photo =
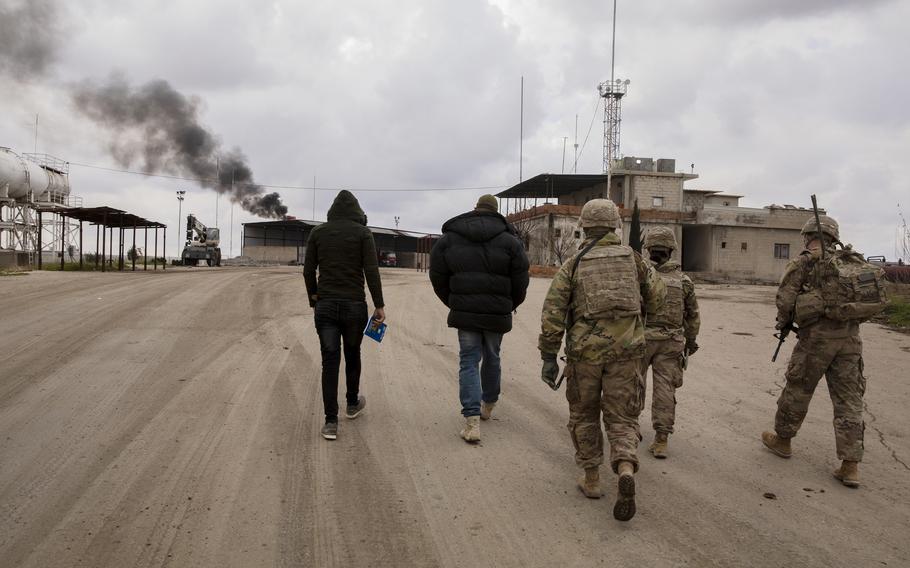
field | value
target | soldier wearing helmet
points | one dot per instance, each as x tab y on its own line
670	335
812	296
598	300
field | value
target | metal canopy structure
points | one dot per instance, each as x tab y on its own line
553	185
106	219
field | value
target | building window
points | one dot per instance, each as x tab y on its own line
557	233
577	234
781	250
744	247
657	201
723	244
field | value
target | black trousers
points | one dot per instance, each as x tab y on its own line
340	322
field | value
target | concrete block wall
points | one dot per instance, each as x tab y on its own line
757	261
279	254
644	188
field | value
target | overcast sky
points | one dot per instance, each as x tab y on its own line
772	99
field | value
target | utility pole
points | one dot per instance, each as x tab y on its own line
314	198
217	187
564	139
232	213
575	167
180	194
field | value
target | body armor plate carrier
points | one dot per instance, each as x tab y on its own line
607	284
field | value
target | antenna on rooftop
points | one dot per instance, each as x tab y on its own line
612	92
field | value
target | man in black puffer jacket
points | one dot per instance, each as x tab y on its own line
344	253
479	270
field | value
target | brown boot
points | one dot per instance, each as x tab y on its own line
624	508
471	430
778	446
848	473
658	448
486	410
589	483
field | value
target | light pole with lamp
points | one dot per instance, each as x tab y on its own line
180	194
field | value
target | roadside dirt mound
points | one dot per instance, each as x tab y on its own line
538	271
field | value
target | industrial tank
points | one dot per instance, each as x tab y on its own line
46	178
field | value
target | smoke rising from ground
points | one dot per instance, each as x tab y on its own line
28	37
159	126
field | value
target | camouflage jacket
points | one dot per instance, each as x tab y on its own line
685	307
602	340
798	279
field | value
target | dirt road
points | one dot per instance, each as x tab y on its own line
173	420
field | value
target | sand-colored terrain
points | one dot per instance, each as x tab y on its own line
172	419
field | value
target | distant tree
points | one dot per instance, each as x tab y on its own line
523	226
563	245
71	251
635	238
134	253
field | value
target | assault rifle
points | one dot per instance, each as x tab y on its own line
818	227
781	337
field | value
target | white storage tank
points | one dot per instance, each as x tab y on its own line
19	175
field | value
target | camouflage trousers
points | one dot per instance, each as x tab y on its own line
840	360
664	356
616	390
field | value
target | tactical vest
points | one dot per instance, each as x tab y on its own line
672	313
843	287
606	284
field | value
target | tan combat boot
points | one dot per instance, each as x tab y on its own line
589	483
778	446
624	508
658	447
471	430
848	473
486	410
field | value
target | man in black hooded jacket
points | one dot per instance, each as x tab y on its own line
344	252
479	269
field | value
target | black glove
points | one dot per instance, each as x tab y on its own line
550	371
691	347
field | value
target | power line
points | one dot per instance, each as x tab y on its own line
590	126
270	186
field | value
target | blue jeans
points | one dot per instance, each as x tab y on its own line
478	348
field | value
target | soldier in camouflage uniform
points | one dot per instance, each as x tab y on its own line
828	347
670	335
597	300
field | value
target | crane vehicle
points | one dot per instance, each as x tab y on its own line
201	243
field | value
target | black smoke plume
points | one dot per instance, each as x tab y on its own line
160	126
29	37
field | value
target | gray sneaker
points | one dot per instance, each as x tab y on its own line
355	410
330	430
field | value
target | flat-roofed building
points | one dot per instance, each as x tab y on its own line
716	235
284	242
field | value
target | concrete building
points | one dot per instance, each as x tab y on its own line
284	242
717	237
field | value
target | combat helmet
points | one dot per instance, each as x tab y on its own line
829	227
660	237
600	213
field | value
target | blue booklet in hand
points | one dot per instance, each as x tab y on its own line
375	330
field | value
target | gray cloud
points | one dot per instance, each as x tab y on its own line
29	37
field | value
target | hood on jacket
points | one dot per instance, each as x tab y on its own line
346	207
478	226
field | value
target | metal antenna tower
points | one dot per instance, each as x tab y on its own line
612	93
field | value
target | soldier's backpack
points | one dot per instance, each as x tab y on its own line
672	313
847	288
607	283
